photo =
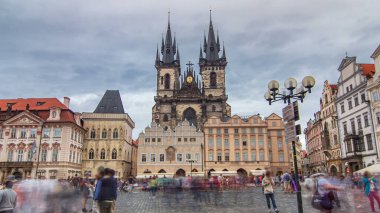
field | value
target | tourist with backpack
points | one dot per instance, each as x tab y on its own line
287	178
371	190
268	187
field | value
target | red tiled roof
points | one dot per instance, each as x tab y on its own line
135	142
34	104
41	106
367	69
333	86
66	116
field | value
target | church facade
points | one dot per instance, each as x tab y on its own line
187	95
174	142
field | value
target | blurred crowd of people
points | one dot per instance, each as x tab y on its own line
99	194
60	196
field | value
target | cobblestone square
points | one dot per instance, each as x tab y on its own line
249	200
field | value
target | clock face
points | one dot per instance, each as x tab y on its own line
189	79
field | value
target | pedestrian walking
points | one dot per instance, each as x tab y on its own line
287	178
106	192
268	185
8	198
153	186
371	190
85	191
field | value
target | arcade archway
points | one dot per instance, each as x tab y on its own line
180	172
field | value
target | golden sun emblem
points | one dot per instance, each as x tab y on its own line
189	79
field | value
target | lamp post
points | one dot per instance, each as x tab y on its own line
191	166
273	95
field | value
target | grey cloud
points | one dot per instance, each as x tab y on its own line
80	49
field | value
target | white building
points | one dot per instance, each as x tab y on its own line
39	138
373	90
357	140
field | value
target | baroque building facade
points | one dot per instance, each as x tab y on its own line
40	138
189	96
246	145
108	142
330	134
169	151
313	135
356	132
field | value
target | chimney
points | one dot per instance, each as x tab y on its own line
9	107
66	101
27	107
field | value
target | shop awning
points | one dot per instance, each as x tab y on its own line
223	173
374	169
257	172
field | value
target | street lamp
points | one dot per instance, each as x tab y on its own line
191	166
273	95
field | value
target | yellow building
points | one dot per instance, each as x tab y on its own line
246	144
108	142
135	146
167	152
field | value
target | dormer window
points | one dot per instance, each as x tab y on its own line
54	114
40	103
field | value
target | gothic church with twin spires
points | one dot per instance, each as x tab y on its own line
188	95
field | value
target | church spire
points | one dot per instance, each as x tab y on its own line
177	55
212	50
168	51
174	46
157	56
162	45
224	52
217	42
200	52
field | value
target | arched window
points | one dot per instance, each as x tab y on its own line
166	118
103	154
115	134
213	108
91	154
167	81
92	135
190	115
114	154
213	79
104	134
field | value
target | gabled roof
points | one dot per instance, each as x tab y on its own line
34	104
39	107
30	118
368	70
273	116
110	103
376	52
345	62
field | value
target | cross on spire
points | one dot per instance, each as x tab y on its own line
189	64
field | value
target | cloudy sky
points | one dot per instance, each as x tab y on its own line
81	48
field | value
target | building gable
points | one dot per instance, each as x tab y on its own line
24	118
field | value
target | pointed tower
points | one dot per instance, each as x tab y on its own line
212	69
168	65
168	75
